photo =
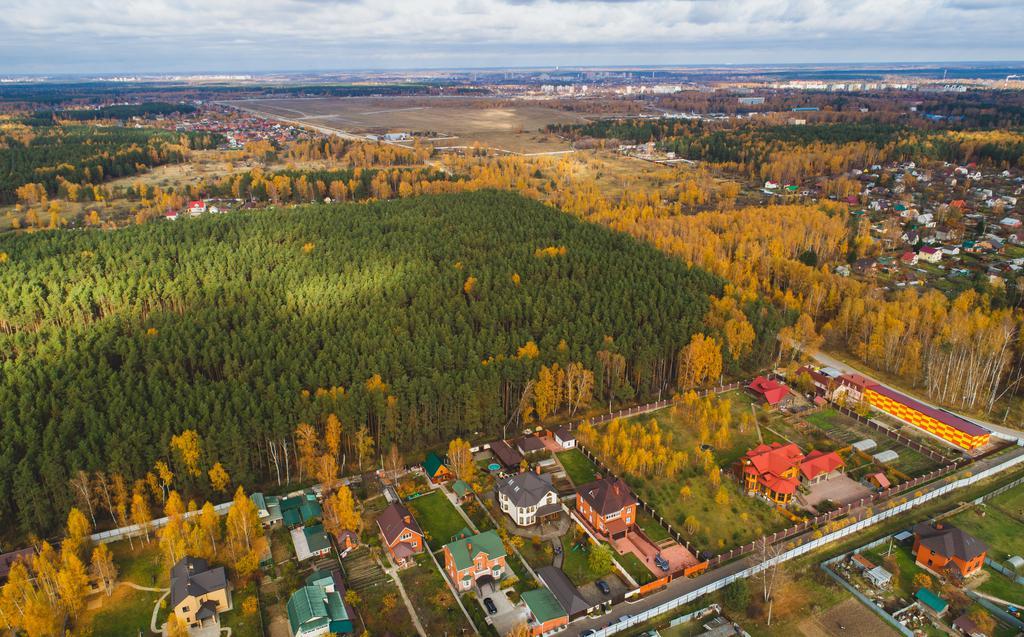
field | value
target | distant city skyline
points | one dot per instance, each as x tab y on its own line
168	36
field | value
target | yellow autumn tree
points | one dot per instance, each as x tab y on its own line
188	448
219	478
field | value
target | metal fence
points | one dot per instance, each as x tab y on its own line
802	548
134	530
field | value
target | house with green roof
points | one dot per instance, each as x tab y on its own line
435	468
931	602
462	490
268	508
546	614
300	509
310	542
316	609
477	560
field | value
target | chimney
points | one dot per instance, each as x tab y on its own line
408	519
615	487
938	526
469	548
537	469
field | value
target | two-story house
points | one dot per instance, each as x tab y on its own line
402	535
947	550
475	560
607	505
527	497
199	592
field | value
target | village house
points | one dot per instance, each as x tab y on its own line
402	535
527	497
775	471
435	468
310	542
199	593
946	550
770	392
608	506
475	560
929	254
319	607
564	437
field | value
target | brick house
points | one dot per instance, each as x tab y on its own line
608	506
945	549
475	560
402	535
775	471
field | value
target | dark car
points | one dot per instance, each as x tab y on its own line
661	562
489	605
603	587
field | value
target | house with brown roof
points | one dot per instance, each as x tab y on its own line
608	506
402	534
947	550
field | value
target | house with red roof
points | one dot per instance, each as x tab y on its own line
929	254
197	207
775	471
771	392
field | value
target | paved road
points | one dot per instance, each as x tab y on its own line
830	361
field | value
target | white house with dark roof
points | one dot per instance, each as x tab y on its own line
527	497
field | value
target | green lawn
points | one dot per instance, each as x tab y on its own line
124	613
635	568
243	625
575	563
826	419
1003	534
1002	587
577	466
438	518
655	531
140	565
434	603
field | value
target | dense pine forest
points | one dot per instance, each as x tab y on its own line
56	160
419	319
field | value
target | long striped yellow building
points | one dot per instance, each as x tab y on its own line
949	427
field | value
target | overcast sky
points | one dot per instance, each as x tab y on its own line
93	36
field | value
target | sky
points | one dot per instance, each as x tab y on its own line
172	36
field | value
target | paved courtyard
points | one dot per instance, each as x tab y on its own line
841	490
508	616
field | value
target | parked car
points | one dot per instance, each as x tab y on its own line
661	562
489	605
603	587
590	632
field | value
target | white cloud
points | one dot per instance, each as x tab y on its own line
139	35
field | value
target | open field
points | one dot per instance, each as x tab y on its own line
997	523
462	120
